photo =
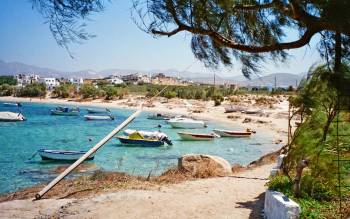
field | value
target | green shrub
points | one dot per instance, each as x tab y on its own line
65	90
170	94
89	91
10	80
7	90
32	90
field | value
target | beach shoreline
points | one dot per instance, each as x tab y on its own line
273	121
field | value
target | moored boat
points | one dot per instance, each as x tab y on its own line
159	116
62	155
144	138
196	137
10	104
228	133
186	123
11	117
126	140
98	110
65	111
99	117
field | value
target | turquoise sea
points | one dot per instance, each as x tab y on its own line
19	141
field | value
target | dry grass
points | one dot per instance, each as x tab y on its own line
102	182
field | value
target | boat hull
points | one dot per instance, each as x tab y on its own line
60	113
195	137
140	142
98	110
62	155
87	117
11	117
235	134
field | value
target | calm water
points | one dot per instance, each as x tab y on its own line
19	141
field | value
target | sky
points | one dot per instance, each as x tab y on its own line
26	38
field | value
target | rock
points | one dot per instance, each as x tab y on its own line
236	168
279	206
247	120
202	165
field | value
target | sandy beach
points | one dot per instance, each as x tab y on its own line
237	196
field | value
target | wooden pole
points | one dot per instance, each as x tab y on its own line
87	154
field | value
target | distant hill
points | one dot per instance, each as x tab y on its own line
283	79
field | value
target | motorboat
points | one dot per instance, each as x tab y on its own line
144	138
186	123
159	116
187	136
65	111
99	117
98	110
252	111
11	117
229	133
62	155
11	104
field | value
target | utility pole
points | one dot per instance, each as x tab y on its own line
214	79
275	83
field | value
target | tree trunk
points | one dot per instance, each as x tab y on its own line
299	172
337	58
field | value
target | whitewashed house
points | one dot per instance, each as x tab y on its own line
50	83
23	79
78	82
115	80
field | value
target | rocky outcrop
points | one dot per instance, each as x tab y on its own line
202	165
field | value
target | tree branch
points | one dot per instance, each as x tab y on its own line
254	7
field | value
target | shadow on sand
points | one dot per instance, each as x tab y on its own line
256	206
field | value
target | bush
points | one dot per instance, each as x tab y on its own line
89	91
10	80
32	90
218	99
65	90
170	94
7	90
112	92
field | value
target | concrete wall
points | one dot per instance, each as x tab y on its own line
278	206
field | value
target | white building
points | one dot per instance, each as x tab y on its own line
115	80
23	79
77	81
50	83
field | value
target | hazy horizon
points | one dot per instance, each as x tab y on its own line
28	40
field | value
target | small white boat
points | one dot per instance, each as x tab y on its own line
98	110
186	123
65	111
62	155
228	133
11	117
12	104
159	116
196	137
252	111
99	117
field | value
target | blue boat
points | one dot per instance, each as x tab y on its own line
62	155
126	140
65	111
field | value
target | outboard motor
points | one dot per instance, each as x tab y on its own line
166	140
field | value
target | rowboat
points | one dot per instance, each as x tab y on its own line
11	117
65	111
159	116
62	155
98	110
196	137
12	104
186	123
144	138
252	111
232	109
126	140
228	133
100	117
